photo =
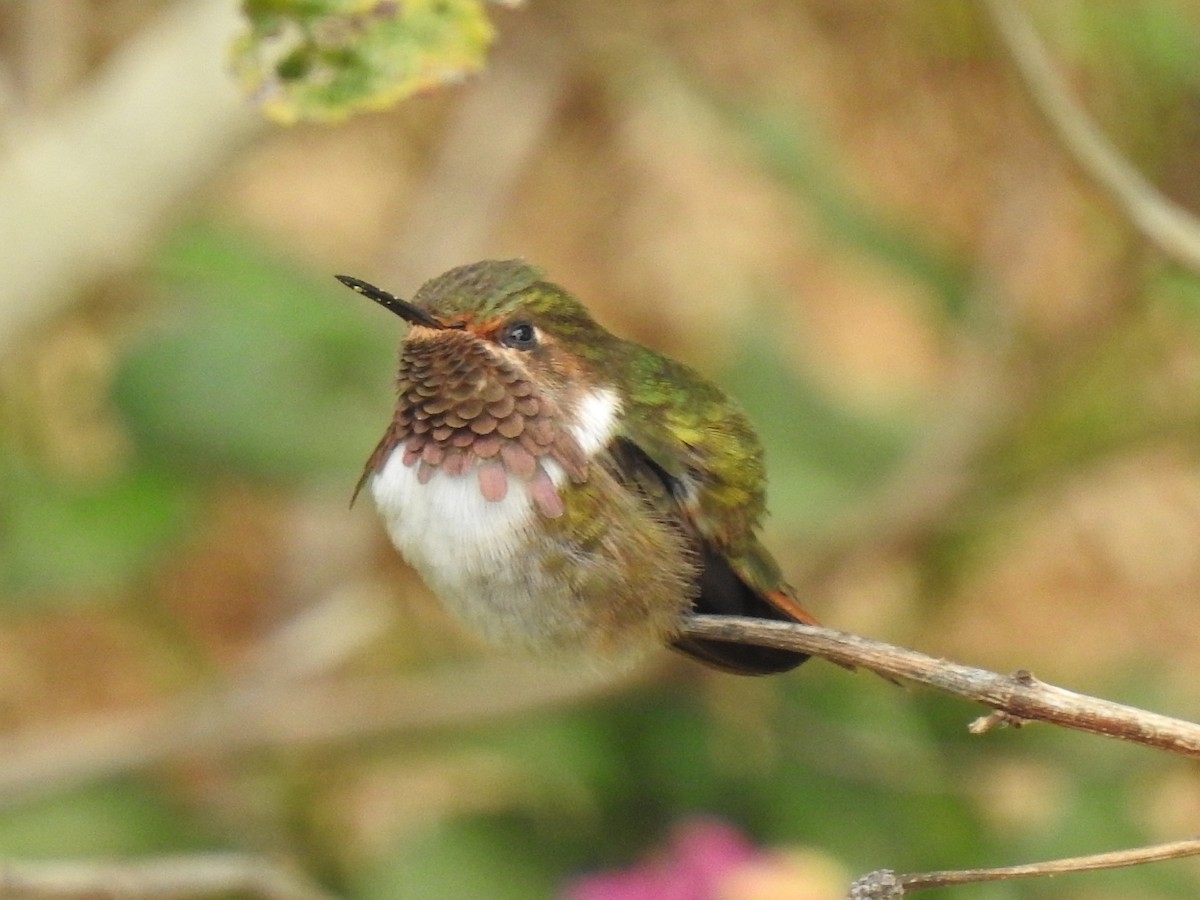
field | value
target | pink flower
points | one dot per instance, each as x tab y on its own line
699	855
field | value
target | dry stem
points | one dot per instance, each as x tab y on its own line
886	885
1019	697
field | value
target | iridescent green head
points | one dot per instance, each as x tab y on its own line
484	290
504	303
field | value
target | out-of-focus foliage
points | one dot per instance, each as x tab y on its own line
120	817
59	538
324	60
252	368
822	457
791	153
249	371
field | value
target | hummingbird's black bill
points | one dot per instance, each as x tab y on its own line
391	302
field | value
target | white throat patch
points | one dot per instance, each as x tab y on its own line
596	419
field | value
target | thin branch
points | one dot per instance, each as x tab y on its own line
1019	697
168	878
1174	230
887	885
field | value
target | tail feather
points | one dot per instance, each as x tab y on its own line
788	605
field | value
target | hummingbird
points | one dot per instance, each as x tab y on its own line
564	490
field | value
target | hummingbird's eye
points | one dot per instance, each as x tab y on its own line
519	336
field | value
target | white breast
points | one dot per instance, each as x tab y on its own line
446	525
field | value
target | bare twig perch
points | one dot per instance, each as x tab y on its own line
1171	228
1017	698
887	885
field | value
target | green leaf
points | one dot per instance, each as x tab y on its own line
325	60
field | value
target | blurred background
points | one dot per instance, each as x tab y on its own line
977	385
